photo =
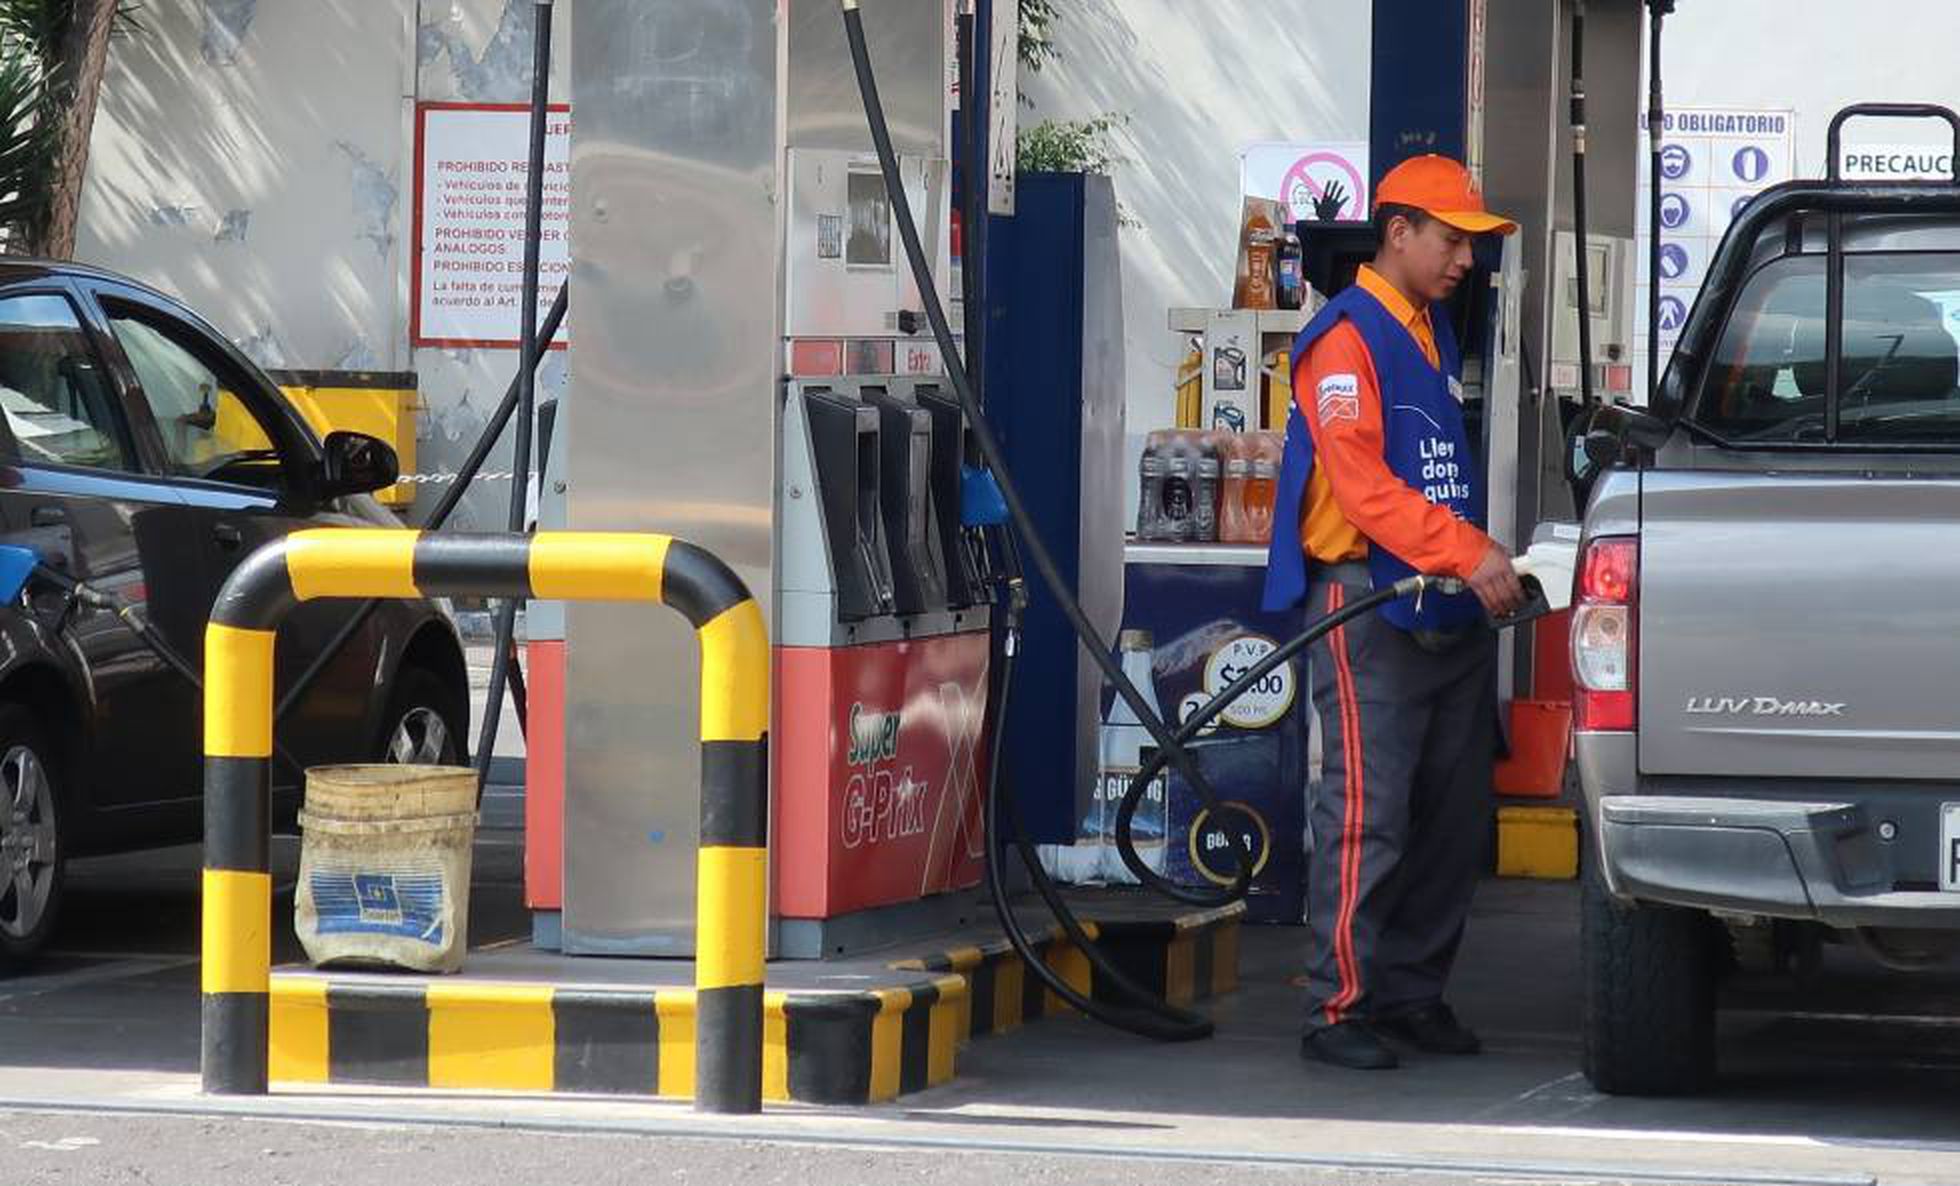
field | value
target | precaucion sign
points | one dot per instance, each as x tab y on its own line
471	162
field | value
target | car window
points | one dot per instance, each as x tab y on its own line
1900	381
57	406
208	429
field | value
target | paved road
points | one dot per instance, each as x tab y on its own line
1860	1086
162	1151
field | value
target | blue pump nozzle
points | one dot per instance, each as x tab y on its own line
16	565
981	502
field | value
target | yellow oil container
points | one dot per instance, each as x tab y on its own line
1279	389
1191	387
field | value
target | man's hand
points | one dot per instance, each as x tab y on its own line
1496	583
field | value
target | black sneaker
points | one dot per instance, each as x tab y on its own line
1350	1044
1432	1029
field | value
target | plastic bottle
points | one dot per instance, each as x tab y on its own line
1235	454
1262	485
1204	494
1261	255
1150	489
1180	489
1291	270
1122	742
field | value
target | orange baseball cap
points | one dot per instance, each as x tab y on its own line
1441	188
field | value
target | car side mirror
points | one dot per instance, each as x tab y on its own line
356	463
1600	439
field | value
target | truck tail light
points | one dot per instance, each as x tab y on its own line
1605	630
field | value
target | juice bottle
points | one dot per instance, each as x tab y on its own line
1235	452
1262	260
1262	484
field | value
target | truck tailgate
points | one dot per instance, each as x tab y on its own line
1799	625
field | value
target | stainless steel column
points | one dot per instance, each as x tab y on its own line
676	250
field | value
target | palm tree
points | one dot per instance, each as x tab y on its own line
52	57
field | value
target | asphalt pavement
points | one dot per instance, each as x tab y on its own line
1852	1077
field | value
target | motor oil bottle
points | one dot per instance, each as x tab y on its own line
1123	742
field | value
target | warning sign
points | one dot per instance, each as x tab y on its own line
1896	162
1317	182
1714	161
471	166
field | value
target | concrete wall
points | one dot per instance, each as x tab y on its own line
254	157
1199	82
1826	56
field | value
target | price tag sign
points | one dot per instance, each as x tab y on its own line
1267	701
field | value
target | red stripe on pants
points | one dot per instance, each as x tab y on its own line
1351	821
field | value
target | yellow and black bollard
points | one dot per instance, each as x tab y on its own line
732	894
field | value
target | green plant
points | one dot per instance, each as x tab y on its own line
52	56
1036	48
1071	145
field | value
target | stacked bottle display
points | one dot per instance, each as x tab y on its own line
1208	487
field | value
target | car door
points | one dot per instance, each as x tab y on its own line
245	463
78	490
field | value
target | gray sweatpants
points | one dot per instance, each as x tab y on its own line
1402	813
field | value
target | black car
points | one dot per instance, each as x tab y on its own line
143	455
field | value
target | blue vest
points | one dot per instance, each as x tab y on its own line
1426	446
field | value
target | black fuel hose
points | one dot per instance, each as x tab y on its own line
1150	1016
1195	724
1167	1022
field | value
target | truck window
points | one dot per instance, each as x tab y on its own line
1900	383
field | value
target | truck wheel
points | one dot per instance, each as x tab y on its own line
1649	977
32	865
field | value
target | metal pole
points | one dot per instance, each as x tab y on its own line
1583	268
527	380
1658	10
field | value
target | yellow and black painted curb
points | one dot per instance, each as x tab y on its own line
818	1047
732	879
1184	959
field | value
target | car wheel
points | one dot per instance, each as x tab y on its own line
1649	975
425	722
32	864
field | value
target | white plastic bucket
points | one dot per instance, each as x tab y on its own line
384	866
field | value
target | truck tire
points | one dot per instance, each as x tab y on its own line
1648	975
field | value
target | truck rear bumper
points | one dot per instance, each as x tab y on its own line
1805	860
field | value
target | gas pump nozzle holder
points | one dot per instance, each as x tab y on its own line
847	454
906	498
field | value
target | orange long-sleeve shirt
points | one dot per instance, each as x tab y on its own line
1353	497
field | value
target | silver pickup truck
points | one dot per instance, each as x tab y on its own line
1766	624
